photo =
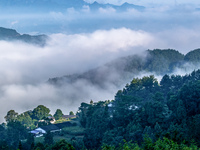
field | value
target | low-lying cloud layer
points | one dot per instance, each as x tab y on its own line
25	68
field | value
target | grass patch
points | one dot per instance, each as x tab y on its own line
61	120
64	120
75	130
57	138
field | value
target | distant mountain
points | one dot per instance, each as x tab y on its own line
12	35
62	5
123	7
121	70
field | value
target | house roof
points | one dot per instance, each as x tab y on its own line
38	130
52	127
34	131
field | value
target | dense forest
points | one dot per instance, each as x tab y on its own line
146	108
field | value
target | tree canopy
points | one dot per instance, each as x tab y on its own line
11	116
41	112
58	114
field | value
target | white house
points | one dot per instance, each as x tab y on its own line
38	132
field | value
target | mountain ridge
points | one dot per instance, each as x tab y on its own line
62	5
157	61
7	34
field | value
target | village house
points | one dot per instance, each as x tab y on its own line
53	128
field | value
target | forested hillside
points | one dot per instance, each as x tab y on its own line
124	69
146	109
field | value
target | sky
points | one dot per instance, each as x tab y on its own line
81	40
158	15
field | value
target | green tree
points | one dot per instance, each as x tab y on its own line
2	132
20	145
148	82
29	142
91	102
62	145
15	131
157	130
11	116
58	114
25	119
71	113
166	83
4	145
82	114
41	112
48	138
39	146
